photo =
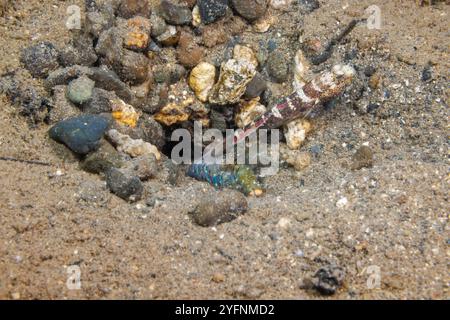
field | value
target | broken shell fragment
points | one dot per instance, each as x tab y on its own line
196	17
124	113
248	112
295	133
264	23
301	71
245	53
202	80
170	37
234	77
132	147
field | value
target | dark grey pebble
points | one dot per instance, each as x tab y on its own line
278	66
256	87
250	9
369	71
129	188
100	102
79	52
427	73
328	279
175	13
103	159
373	107
212	10
40	59
104	78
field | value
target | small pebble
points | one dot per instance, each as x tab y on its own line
124	186
250	9
212	10
328	279
40	59
80	90
219	207
174	12
363	158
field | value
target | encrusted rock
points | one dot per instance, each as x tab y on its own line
80	51
80	90
144	167
201	80
248	112
40	59
245	53
234	77
176	12
182	105
295	133
132	147
168	73
100	102
109	46
133	67
138	33
212	10
124	113
98	21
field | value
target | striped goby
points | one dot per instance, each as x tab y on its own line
322	88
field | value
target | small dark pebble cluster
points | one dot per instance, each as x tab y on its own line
327	280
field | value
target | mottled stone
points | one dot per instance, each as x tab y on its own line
250	9
127	187
40	59
176	12
80	90
103	159
212	10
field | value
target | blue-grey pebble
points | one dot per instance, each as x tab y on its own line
80	134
